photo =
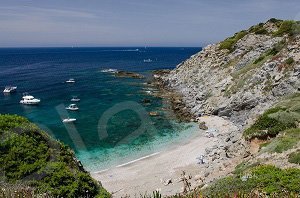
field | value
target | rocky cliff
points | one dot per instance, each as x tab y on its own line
243	75
237	80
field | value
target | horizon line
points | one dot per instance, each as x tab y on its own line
102	47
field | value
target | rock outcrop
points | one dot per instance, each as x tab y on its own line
241	82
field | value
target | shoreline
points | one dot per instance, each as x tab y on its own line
162	170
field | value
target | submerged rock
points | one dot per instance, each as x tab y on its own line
126	74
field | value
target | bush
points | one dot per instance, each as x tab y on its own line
290	28
268	179
289	61
274	20
230	42
29	155
284	144
266	126
261	58
261	31
294	157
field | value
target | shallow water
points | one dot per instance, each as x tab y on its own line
112	125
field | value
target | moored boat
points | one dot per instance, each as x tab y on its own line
68	120
72	107
75	99
71	80
29	100
9	89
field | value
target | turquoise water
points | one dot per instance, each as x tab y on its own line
112	125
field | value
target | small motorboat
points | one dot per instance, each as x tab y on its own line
148	60
75	99
29	100
68	120
113	71
72	107
9	89
71	80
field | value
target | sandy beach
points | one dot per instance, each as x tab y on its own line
153	172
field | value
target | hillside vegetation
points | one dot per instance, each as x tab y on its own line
32	164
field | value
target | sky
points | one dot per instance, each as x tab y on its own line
66	23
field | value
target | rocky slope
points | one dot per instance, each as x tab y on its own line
238	79
242	76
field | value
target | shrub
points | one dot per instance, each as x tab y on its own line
267	126
295	157
230	42
289	61
284	144
261	58
261	31
288	27
29	155
274	20
268	179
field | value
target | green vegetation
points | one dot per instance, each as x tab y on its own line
230	42
261	58
258	29
295	157
31	157
277	22
271	123
276	49
288	27
264	178
289	61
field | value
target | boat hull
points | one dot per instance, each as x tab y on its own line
69	120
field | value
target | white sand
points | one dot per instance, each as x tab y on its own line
149	173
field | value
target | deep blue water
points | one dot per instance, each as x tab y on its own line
112	125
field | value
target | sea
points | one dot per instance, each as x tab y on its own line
113	124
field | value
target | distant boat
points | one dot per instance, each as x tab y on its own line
9	89
72	107
109	71
29	100
68	120
148	60
71	80
75	99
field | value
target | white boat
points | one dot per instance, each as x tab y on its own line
109	71
147	60
68	120
72	107
71	80
29	100
75	99
9	89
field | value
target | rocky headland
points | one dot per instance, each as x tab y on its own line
237	80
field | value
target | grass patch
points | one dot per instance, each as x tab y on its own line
258	29
286	140
243	167
268	126
259	59
230	42
268	179
288	27
295	157
289	61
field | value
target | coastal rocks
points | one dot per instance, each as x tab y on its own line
202	126
146	101
153	113
126	74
